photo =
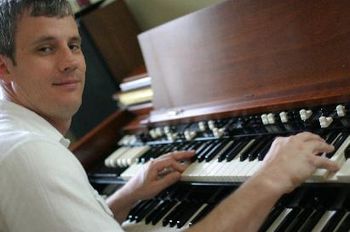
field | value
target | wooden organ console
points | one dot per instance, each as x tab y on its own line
227	80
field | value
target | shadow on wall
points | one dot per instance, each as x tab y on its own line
99	88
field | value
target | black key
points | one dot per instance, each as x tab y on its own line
234	152
227	150
344	226
331	136
202	214
271	218
337	143
155	211
263	152
201	155
187	215
155	152
244	155
193	146
299	220
145	157
181	147
169	148
190	146
312	221
347	152
199	150
287	220
136	209
333	221
177	215
253	154
213	152
145	210
171	215
162	211
162	149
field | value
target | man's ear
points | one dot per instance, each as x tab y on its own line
4	70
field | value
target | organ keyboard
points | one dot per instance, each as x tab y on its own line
227	80
238	152
315	208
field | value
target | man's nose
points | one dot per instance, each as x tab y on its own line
68	60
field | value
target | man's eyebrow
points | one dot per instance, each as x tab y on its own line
44	39
76	39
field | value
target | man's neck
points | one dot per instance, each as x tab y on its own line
61	125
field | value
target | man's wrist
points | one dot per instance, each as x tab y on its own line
271	182
128	195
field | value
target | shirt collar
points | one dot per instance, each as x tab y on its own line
31	121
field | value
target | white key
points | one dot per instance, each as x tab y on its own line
232	169
255	166
131	171
218	171
130	156
109	161
186	174
338	157
244	168
135	154
119	161
192	172
343	175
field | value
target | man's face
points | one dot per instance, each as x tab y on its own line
49	74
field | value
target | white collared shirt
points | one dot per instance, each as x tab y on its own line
43	187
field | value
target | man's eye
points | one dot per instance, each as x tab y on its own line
75	47
45	50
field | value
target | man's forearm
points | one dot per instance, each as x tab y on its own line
255	198
121	203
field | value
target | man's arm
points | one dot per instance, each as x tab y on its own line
148	183
45	188
289	162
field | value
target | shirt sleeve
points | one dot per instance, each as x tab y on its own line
44	188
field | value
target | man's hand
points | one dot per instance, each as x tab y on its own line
289	162
292	160
158	174
152	179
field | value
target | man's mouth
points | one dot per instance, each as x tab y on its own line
67	84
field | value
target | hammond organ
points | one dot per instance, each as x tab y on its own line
227	80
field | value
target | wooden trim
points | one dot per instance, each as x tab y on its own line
101	140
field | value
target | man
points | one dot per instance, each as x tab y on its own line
44	187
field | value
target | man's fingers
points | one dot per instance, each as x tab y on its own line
320	147
166	165
180	155
169	179
307	136
323	162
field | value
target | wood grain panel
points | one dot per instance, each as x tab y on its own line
114	32
245	54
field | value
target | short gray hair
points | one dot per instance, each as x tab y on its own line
12	10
